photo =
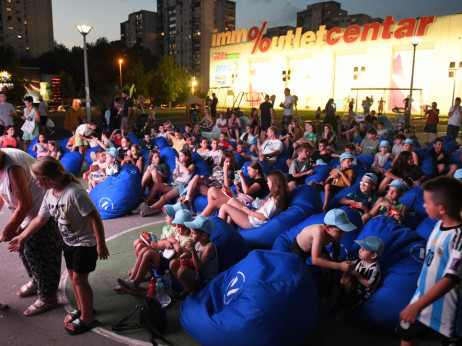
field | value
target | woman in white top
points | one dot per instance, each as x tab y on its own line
273	204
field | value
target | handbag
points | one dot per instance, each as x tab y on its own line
28	127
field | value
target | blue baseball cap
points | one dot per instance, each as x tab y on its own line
371	176
320	162
398	184
346	156
372	243
338	218
458	174
182	217
171	209
384	143
201	223
113	152
409	141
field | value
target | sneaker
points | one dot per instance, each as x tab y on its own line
128	286
148	211
144	209
138	208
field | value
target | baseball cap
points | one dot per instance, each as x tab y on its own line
338	218
201	223
182	217
458	174
409	141
171	209
371	176
320	162
346	156
372	243
398	184
113	152
384	143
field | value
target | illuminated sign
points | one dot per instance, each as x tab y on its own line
220	80
225	56
407	27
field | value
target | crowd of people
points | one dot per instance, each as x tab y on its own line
46	201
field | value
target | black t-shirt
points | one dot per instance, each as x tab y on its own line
122	152
445	160
263	188
127	103
147	145
318	156
265	109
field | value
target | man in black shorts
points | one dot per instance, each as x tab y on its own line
266	117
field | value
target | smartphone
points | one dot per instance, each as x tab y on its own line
236	175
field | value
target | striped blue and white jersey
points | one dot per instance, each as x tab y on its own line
443	259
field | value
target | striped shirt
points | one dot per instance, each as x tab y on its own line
371	273
443	259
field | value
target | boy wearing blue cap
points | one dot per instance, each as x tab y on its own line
203	254
389	205
358	286
370	145
313	239
363	199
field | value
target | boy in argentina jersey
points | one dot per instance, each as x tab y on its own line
437	304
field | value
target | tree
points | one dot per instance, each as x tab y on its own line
67	87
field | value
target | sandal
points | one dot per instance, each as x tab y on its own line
28	289
72	315
39	307
119	290
4	306
78	326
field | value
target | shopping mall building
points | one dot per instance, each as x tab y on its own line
342	63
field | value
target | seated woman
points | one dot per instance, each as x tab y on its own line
276	202
182	174
405	170
205	124
330	135
9	138
222	175
256	187
222	123
134	157
234	126
254	118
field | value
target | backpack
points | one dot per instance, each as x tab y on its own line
152	318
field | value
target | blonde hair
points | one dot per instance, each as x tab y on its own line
49	167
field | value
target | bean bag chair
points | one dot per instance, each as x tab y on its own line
285	240
72	162
167	155
263	164
88	159
335	199
145	154
387	124
161	142
365	161
400	265
425	228
118	194
305	200
426	163
239	159
269	298
133	138
320	174
62	145
230	245
31	146
448	144
202	167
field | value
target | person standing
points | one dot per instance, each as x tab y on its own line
213	106
455	117
30	114
43	112
381	102
330	114
287	109
41	253
431	125
266	114
126	112
6	112
75	115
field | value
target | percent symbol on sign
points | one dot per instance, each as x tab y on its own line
256	34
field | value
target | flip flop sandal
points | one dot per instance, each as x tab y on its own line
27	290
119	290
72	315
79	327
39	307
4	306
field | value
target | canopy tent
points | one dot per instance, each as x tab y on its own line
194	100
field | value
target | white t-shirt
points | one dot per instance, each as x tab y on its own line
4	109
216	156
270	146
70	210
290	110
269	210
222	122
42	109
84	130
456	116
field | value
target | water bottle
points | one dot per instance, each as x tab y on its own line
160	290
151	288
168	283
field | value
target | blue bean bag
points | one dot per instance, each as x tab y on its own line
400	265
62	145
269	298
365	161
320	174
305	200
263	164
118	194
88	158
161	142
145	155
449	144
202	167
239	159
230	245
425	227
72	162
167	155
31	146
133	138
426	163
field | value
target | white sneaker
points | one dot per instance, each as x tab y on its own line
138	208
128	286
148	211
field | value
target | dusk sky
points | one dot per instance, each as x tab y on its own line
106	15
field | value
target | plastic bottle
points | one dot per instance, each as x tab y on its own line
168	283
160	290
151	288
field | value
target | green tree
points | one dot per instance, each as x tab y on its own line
67	87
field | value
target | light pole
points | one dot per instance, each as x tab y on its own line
84	30
193	85
120	70
453	73
415	41
356	72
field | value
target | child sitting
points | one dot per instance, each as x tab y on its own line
190	143
203	254
389	205
41	147
105	142
156	172
240	150
442	159
224	144
134	157
363	199
300	167
370	144
408	145
435	305
214	155
176	239
122	151
116	136
99	164
53	150
322	153
399	144
381	130
111	167
147	142
358	286
162	132
381	158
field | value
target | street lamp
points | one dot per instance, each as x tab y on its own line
120	69
356	72
84	30
193	84
453	73
414	41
